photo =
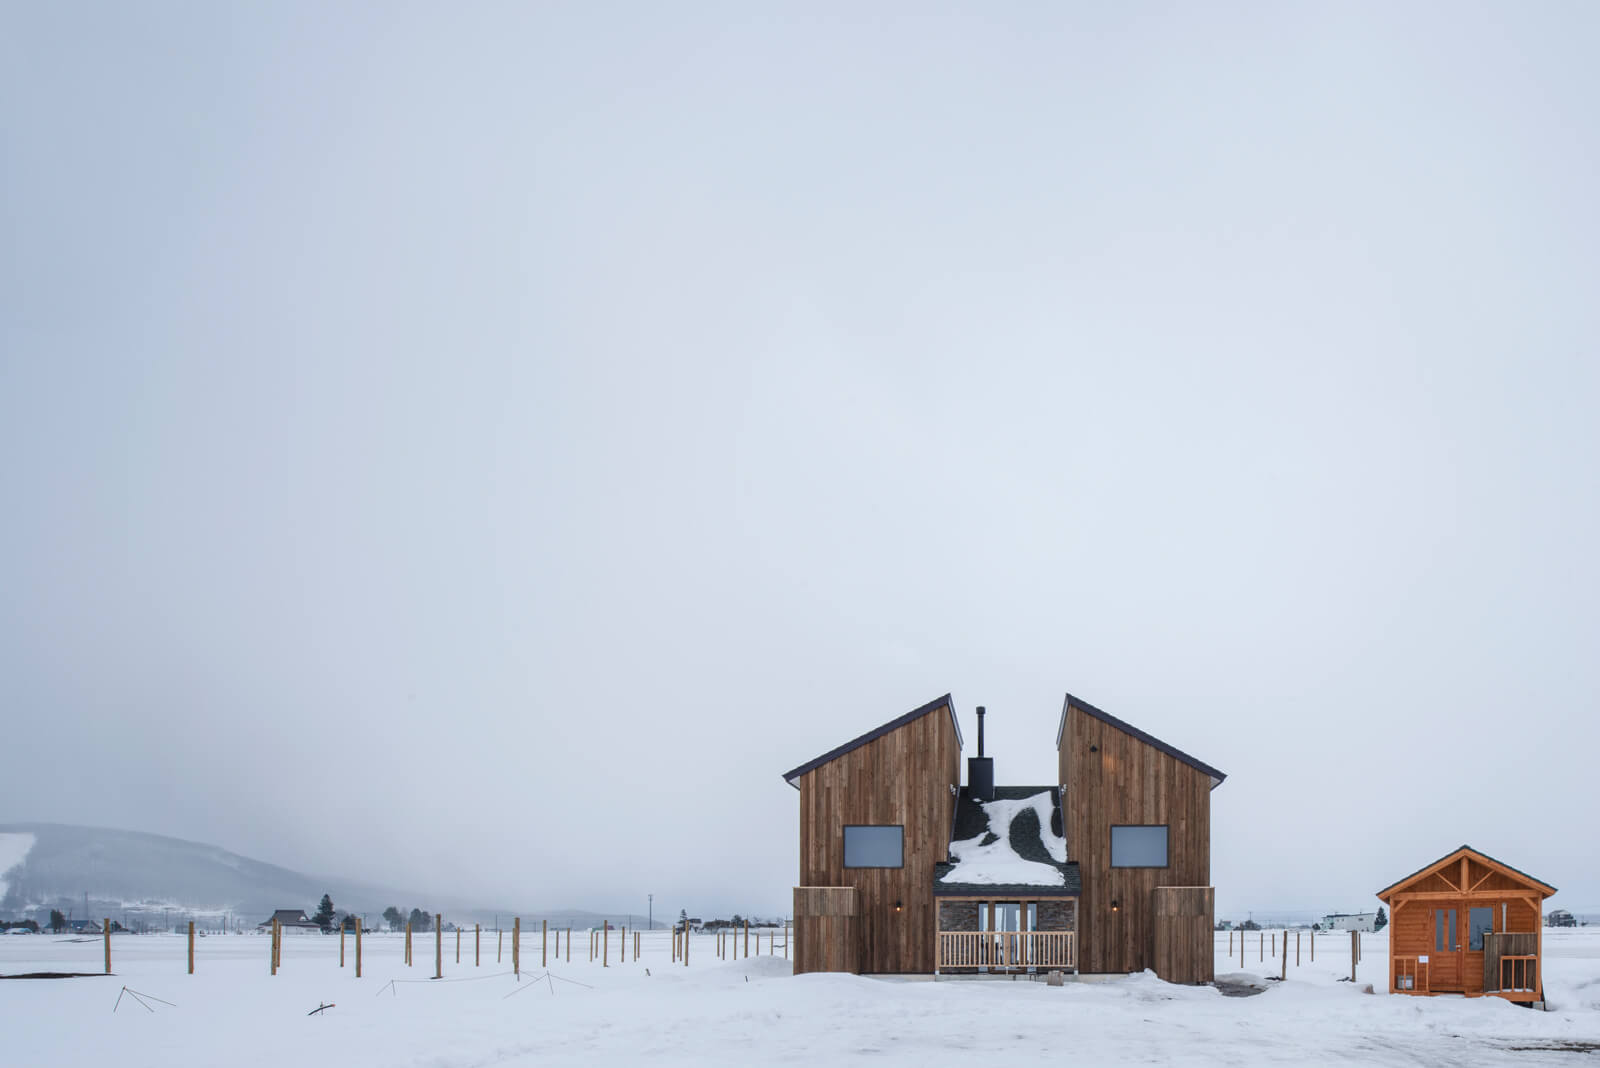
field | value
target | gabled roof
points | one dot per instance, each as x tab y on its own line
1148	739
793	777
1455	854
288	918
993	860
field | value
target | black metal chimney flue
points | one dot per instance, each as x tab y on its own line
980	769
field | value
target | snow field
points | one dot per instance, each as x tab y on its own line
747	1011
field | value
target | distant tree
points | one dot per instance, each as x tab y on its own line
1382	921
394	918
57	921
350	921
323	917
421	921
738	920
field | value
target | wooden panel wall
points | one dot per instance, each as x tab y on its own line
901	778
1182	919
1126	781
826	938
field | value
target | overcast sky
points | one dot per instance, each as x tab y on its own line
481	447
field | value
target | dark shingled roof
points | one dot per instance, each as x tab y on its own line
1128	728
1457	852
792	777
972	821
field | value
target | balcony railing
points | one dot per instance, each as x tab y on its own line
1004	950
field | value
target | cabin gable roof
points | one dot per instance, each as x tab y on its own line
792	777
1543	888
1129	729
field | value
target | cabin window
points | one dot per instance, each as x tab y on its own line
1139	847
874	847
1480	922
1444	930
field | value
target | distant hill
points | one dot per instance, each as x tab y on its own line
145	879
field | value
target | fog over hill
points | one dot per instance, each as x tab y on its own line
136	877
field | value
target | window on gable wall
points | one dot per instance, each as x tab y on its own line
1139	847
874	847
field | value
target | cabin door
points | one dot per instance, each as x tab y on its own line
1444	963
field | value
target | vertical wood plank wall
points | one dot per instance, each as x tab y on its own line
826	938
1184	951
1127	781
901	778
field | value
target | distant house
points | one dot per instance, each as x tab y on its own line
289	920
905	869
1467	924
1560	918
84	927
1349	921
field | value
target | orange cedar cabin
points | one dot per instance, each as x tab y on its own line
1467	924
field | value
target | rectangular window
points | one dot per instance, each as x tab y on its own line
874	847
1444	930
1139	847
1479	923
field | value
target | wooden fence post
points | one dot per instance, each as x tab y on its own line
785	939
272	949
1313	945
1283	973
358	949
341	945
458	943
1297	949
516	947
1230	943
569	945
1274	943
686	945
747	938
438	946
1261	947
499	944
408	943
1355	951
1241	948
477	946
544	943
108	945
605	943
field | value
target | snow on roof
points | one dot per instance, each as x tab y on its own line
989	859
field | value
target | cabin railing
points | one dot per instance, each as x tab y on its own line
1008	949
1519	974
1410	975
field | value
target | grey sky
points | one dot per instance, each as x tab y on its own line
481	447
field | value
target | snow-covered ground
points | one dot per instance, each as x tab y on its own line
741	1011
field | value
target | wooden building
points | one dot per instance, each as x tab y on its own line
1108	871
1467	924
1138	821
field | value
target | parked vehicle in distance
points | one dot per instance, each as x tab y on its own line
1560	918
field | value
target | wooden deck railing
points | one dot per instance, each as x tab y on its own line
1410	975
1008	949
1519	974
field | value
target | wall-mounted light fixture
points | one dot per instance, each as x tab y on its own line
1114	905
1094	749
897	906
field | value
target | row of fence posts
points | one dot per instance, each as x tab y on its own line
1283	973
599	943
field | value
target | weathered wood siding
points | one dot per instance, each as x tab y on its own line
1113	778
826	939
1182	917
901	778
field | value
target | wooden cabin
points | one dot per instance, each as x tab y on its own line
904	869
1467	924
